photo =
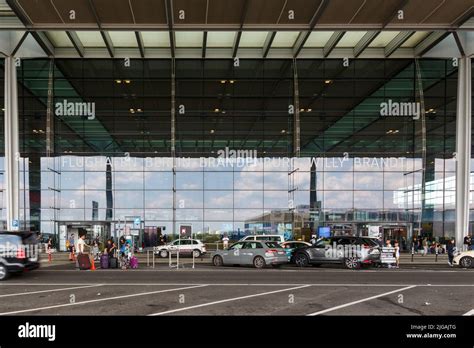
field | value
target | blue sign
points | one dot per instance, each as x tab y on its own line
324	232
15	223
137	222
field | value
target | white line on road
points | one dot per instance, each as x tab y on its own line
227	300
360	301
99	300
239	284
471	312
50	290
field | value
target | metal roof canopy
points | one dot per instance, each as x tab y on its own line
218	28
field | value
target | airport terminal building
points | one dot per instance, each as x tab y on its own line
237	116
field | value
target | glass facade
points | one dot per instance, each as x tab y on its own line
376	145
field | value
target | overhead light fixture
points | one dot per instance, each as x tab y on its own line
212	131
223	112
301	110
327	82
139	110
217	110
389	131
283	131
35	131
132	111
223	81
127	81
231	81
309	110
118	81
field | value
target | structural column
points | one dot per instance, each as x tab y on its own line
463	149
12	154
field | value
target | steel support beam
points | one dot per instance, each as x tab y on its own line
332	42
397	41
76	42
141	47
268	43
204	44
463	149
11	144
364	42
431	41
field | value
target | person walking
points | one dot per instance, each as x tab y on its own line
71	247
451	249
397	255
424	243
225	241
49	249
414	245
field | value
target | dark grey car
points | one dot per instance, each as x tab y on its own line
350	251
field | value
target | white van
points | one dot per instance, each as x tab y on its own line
270	237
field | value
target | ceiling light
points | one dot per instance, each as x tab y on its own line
283	131
118	81
35	131
127	81
231	81
216	110
389	131
212	131
139	110
327	82
309	110
132	111
301	110
396	131
223	81
223	112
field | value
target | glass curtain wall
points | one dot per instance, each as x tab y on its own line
377	142
2	144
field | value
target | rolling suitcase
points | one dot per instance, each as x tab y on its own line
113	262
104	261
134	262
84	261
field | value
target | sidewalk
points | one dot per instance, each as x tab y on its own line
61	258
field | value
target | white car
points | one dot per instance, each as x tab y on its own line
464	259
270	237
185	246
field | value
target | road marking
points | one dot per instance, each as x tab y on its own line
239	284
227	300
360	301
99	300
50	290
471	312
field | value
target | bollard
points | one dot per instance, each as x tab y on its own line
412	253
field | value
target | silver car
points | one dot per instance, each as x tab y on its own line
256	253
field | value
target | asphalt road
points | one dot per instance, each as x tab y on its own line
206	290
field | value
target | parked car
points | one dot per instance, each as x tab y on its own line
464	259
19	252
185	246
291	246
271	237
256	253
350	251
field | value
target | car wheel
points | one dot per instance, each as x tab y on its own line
3	272
196	253
259	262
466	262
164	253
301	260
217	261
352	263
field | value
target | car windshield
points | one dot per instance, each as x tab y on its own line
273	245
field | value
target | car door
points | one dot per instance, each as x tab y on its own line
232	255
249	251
319	250
185	246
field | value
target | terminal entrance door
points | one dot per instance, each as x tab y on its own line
92	230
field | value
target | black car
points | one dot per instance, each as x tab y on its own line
350	251
19	252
